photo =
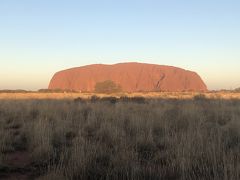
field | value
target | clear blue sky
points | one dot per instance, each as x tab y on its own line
40	37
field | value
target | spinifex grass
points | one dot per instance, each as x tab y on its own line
124	138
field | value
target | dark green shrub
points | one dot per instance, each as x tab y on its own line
107	87
200	97
124	99
136	99
79	100
112	100
94	99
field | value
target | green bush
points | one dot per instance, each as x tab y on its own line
200	97
112	100
107	87
135	99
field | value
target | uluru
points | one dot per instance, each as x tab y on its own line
131	77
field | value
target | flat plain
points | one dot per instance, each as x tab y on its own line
140	136
164	95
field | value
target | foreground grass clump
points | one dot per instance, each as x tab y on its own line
122	138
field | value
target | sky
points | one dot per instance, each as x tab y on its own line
39	38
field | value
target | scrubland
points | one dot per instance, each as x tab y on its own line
126	138
73	95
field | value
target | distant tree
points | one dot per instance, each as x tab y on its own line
107	87
237	90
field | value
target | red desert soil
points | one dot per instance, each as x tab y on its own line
17	165
132	77
19	159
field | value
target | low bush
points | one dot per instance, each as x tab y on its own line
107	87
112	100
199	97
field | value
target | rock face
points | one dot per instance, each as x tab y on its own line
132	77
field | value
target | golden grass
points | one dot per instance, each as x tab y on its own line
164	95
152	139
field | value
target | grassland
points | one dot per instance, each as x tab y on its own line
126	138
164	95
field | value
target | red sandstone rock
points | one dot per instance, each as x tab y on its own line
132	77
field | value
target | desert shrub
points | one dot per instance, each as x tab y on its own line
124	99
94	99
146	151
199	97
34	113
112	99
107	87
79	100
138	99
135	99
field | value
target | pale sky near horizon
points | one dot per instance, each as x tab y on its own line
38	38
